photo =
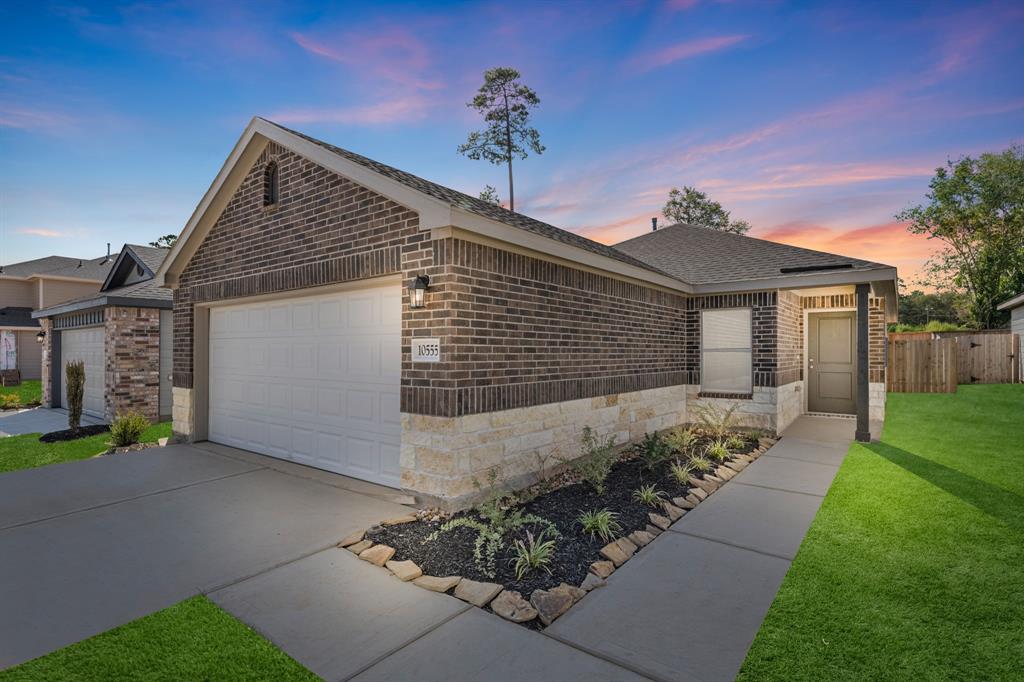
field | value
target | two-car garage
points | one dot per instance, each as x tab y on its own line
311	379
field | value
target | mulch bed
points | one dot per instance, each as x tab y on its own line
74	434
452	552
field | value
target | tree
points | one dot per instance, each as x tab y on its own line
693	207
918	308
505	104
976	210
165	242
490	195
74	373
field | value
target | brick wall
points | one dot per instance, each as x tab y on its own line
132	339
790	339
764	324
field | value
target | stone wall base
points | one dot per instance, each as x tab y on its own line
757	412
790	404
441	456
876	402
182	414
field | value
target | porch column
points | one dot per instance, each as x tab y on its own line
863	425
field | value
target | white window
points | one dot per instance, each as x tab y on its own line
726	363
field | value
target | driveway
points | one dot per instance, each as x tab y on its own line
37	420
87	546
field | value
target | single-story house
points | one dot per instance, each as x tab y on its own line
1016	307
341	313
122	333
34	284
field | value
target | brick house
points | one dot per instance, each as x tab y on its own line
341	313
122	333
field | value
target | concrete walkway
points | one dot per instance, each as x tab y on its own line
37	420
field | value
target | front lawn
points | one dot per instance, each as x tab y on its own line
913	566
26	452
193	640
30	393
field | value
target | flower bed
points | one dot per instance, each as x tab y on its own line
640	491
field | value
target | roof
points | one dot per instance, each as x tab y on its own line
476	205
144	294
61	266
1012	303
702	255
16	317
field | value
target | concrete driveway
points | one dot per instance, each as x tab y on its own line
87	546
37	420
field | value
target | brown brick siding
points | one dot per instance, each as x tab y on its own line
790	339
763	321
876	327
132	341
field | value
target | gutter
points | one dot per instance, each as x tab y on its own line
103	302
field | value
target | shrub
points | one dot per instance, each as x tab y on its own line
75	374
535	553
602	523
717	451
735	442
485	547
681	439
717	421
654	450
700	464
679	472
9	400
127	428
646	494
596	459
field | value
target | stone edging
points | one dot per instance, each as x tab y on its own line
548	605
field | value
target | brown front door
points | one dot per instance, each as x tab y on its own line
832	362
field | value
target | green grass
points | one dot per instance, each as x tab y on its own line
26	452
28	392
914	566
193	640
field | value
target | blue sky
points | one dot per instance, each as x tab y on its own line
814	122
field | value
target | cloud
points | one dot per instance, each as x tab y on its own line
680	51
394	55
401	110
805	176
28	118
42	232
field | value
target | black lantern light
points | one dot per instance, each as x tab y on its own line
40	337
418	292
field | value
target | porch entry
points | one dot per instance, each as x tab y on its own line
832	362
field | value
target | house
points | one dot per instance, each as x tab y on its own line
122	333
1016	307
35	284
340	313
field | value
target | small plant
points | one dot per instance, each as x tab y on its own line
9	401
535	553
646	494
717	452
127	428
681	439
654	450
715	420
596	459
602	523
486	546
74	371
679	472
700	464
735	442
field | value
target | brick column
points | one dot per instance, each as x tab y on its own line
48	361
132	361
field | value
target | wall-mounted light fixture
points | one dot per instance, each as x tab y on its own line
418	292
40	337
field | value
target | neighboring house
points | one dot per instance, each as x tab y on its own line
123	334
1016	307
299	331
35	284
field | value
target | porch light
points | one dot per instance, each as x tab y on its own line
418	292
40	337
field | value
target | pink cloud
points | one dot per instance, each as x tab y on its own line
393	55
42	232
404	109
685	50
27	118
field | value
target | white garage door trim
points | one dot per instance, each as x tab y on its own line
311	379
86	344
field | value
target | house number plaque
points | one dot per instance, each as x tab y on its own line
426	350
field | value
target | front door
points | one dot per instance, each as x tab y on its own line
832	362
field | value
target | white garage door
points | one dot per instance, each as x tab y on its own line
314	380
87	345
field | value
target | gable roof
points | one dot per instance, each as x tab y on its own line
94	269
148	258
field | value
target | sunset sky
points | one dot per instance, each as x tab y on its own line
814	122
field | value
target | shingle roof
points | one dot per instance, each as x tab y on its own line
60	265
17	317
701	255
152	256
479	206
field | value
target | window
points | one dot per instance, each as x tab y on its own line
270	184
726	362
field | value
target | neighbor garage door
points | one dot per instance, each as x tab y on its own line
314	380
87	345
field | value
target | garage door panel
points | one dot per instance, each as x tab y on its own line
318	380
86	345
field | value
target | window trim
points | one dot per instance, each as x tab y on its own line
750	349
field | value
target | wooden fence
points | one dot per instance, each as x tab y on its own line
922	366
937	365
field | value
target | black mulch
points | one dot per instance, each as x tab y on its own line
73	434
452	552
